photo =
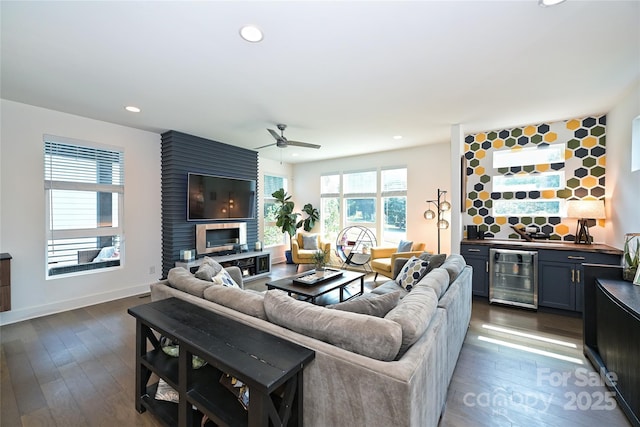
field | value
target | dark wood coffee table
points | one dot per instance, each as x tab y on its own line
312	292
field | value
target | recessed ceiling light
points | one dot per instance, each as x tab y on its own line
397	137
546	3
251	33
132	109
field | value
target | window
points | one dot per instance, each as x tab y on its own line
394	204
528	187
355	198
330	206
360	198
272	234
84	187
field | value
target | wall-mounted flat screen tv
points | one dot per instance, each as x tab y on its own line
216	197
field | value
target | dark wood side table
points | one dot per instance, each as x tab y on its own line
271	366
5	282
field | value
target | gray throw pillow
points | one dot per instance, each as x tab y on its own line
404	246
435	260
208	269
370	304
366	335
310	242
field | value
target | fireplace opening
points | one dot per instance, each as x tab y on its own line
213	238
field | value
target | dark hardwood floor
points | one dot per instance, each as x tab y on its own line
77	369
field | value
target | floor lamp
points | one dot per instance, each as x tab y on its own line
441	206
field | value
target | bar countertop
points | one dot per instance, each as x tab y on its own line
544	244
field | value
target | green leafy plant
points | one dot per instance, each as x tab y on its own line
320	259
286	218
631	256
313	215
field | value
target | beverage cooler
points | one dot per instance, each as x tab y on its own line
513	277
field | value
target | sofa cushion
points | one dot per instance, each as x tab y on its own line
412	272
366	335
181	279
414	313
381	264
370	304
310	241
438	280
454	265
388	287
404	246
247	302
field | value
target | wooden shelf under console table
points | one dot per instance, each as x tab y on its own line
270	366
252	264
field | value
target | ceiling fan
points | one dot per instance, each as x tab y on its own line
282	142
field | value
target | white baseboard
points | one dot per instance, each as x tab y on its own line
14	316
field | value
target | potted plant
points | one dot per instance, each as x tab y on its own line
287	219
631	257
319	261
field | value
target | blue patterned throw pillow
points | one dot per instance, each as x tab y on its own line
412	272
223	278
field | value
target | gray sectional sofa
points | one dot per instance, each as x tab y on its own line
368	370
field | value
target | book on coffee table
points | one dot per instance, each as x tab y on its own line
312	277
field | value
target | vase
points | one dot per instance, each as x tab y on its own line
631	256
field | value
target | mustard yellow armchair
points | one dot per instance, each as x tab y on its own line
383	259
302	253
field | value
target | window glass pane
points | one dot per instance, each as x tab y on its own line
330	217
330	184
71	255
360	182
394	180
395	219
551	207
360	210
529	182
272	184
273	235
529	156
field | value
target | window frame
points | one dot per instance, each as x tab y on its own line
61	148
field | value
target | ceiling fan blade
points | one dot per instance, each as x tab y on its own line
302	144
275	134
265	146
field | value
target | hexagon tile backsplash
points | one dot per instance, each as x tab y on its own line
584	168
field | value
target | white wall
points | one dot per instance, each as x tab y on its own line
622	197
428	168
277	168
22	207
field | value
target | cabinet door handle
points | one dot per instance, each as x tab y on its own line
578	271
575	257
573	276
487	266
473	250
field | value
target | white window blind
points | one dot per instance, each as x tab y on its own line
84	188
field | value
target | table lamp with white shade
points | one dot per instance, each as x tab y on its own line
587	211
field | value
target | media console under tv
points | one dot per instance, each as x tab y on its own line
252	264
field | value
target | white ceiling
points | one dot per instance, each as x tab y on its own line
348	75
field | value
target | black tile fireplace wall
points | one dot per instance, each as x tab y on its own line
181	154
